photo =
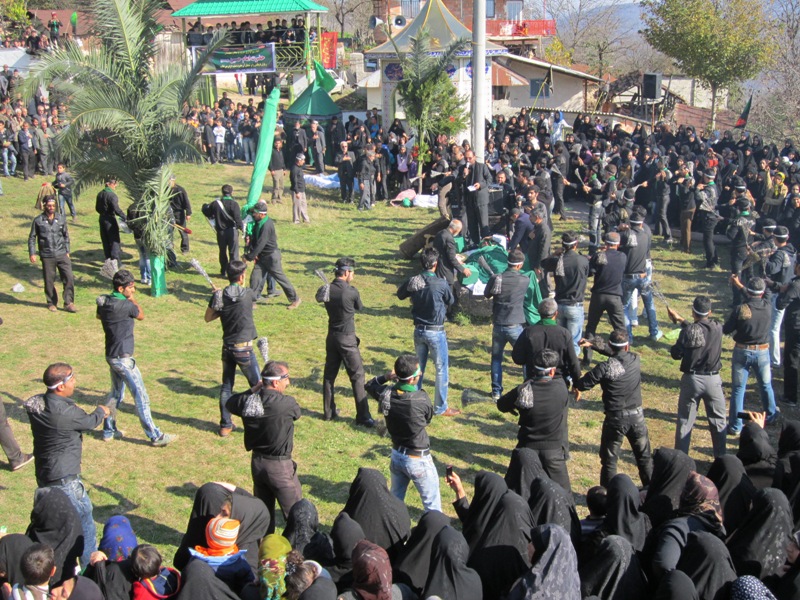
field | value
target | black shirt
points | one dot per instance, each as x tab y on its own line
57	424
790	300
407	413
234	304
225	212
508	307
107	204
297	179
117	316
637	252
547	334
544	425
276	162
570	287
620	377
699	346
179	200
608	268
265	242
448	265
342	306
430	296
750	323
50	236
268	417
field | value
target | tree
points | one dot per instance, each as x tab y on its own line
719	42
124	112
558	54
345	11
427	95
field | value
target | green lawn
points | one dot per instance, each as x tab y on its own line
179	357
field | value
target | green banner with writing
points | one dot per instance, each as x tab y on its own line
254	59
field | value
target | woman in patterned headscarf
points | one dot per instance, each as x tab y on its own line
554	568
272	566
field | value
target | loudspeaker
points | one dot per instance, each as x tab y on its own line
399	21
375	22
651	86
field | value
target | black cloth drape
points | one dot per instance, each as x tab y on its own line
670	470
448	575
302	531
413	560
736	491
55	522
614	572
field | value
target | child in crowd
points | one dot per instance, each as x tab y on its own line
596	503
152	580
38	565
223	555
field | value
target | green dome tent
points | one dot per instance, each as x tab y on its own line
314	104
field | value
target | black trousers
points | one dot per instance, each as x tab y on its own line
109	235
275	480
180	219
558	198
62	266
709	223
554	461
617	426
478	219
341	349
271	265
319	161
605	303
28	163
228	242
346	188
7	440
791	368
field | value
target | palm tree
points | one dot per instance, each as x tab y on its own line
428	97
124	109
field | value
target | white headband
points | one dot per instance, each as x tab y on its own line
569	243
618	344
700	314
543	368
516	264
754	292
62	382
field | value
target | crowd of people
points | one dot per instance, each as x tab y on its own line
729	533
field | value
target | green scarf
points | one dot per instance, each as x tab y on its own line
406	387
118	295
549	322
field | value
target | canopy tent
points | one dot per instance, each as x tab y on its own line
314	104
238	8
443	26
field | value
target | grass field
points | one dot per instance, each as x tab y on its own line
179	357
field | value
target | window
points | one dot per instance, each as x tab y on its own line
409	8
513	10
490	9
540	88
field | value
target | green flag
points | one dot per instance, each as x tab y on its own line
742	122
324	79
264	151
74	20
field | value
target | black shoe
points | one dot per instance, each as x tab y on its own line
274	294
334	415
366	422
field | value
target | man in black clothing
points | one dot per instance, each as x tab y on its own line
298	140
57	425
297	185
316	146
699	348
608	268
345	165
636	246
541	238
570	272
430	296
181	209
226	217
750	323
263	250
233	306
740	232
107	206
117	312
49	232
620	378
277	168
523	230
778	271
268	415
547	334
477	178
408	412
789	301
449	264
706	196
342	300
542	403
508	314
366	172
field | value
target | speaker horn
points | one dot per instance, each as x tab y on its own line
375	22
399	21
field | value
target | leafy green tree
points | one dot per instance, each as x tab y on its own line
125	109
427	96
719	42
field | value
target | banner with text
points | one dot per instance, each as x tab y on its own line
330	40
255	59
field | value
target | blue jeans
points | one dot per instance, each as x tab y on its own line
144	261
571	317
422	472
125	373
245	359
249	148
76	492
775	333
640	284
741	363
501	335
9	162
62	200
434	343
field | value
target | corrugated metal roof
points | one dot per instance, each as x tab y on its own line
443	26
235	8
547	65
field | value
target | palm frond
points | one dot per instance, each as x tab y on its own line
121	29
192	78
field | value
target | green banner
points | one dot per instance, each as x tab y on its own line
264	151
255	59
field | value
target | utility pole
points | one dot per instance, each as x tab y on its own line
479	78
